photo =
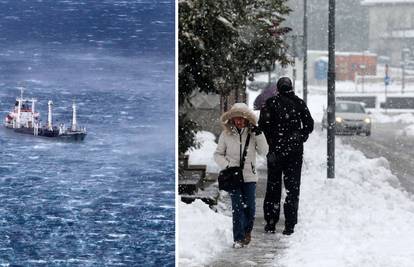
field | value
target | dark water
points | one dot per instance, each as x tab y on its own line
140	25
108	201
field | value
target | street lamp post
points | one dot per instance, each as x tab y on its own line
386	83
305	52
402	77
294	38
331	92
294	54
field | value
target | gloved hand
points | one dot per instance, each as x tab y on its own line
304	137
256	130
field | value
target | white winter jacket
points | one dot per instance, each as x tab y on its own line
231	143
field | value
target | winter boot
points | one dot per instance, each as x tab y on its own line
270	228
247	238
238	244
288	230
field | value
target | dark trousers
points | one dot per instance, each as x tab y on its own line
289	165
243	201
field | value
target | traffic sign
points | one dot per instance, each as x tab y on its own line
387	80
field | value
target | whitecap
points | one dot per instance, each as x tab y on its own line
167	207
118	236
87	210
97	175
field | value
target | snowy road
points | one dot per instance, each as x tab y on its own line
388	142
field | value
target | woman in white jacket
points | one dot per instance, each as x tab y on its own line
238	122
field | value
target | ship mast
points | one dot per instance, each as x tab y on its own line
49	116
74	122
33	105
33	109
19	108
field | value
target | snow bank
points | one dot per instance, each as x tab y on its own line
409	130
360	218
203	233
401	118
204	154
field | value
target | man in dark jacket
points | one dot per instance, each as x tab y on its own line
286	123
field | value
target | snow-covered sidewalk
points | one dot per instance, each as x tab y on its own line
360	218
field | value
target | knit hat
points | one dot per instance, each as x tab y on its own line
284	85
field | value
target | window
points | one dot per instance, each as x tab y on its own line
349	108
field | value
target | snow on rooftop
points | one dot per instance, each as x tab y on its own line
325	59
341	53
381	2
400	34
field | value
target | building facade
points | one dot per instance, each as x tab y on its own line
348	65
391	29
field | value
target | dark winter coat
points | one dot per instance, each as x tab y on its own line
286	122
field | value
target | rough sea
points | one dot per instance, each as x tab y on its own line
109	200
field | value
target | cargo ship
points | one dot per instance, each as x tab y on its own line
24	118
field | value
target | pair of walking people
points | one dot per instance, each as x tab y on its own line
284	125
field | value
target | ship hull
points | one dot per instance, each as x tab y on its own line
54	133
77	136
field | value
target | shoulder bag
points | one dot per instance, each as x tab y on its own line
232	177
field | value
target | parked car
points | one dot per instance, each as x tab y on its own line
350	118
256	86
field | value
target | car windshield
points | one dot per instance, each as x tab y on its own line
349	108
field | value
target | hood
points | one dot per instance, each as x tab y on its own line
237	110
284	85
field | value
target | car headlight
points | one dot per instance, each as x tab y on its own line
338	119
367	120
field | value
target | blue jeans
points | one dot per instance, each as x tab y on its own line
243	202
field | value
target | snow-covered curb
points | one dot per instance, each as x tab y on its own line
360	218
380	117
203	234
